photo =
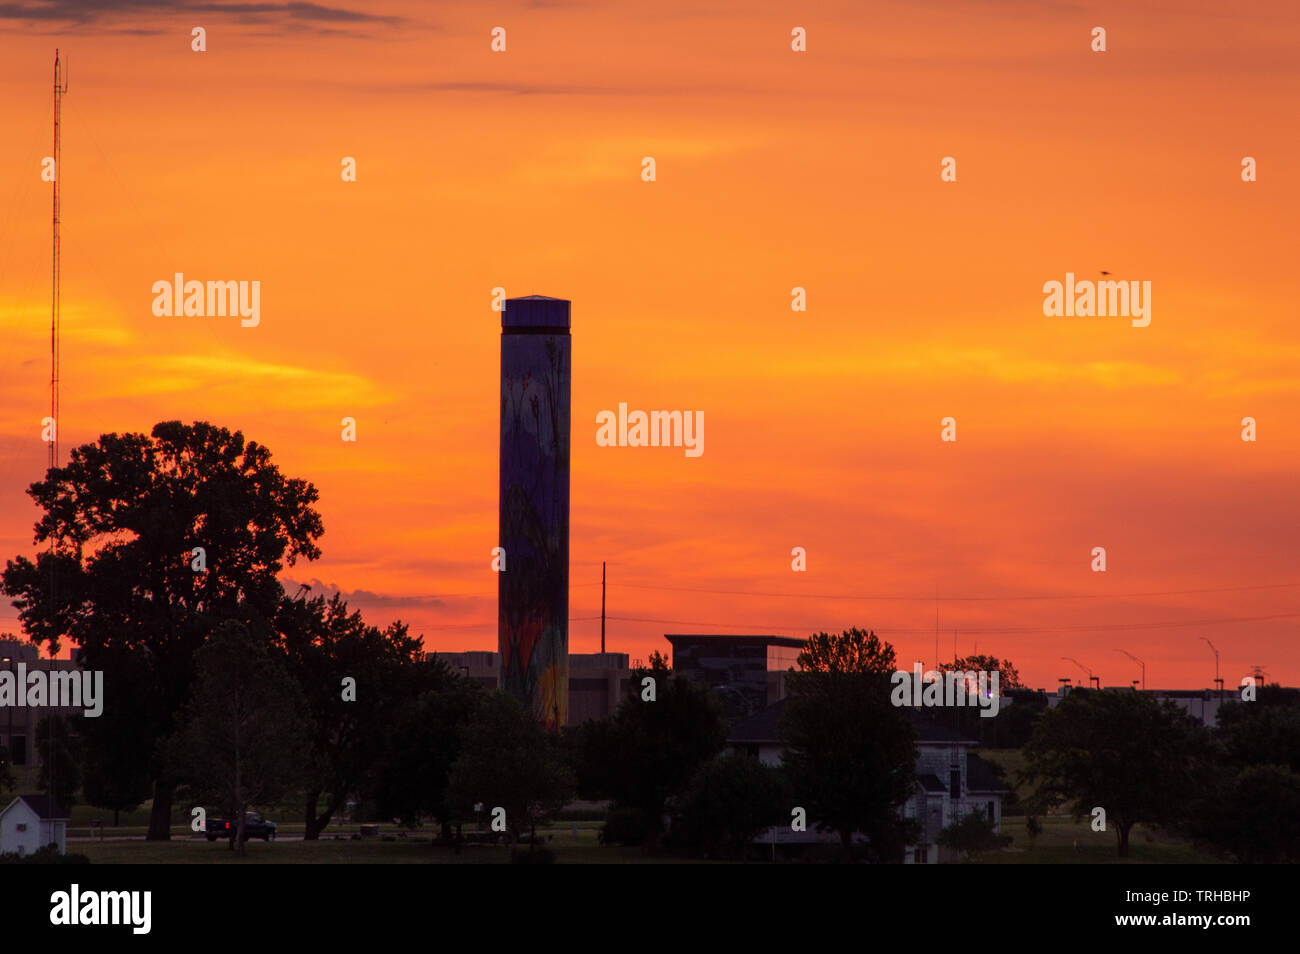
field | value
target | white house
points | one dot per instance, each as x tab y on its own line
29	823
951	781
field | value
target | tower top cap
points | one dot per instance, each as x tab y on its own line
535	311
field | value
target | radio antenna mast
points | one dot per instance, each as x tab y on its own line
60	87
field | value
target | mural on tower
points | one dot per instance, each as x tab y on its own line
533	588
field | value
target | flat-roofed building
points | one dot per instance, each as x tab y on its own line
747	673
18	723
597	681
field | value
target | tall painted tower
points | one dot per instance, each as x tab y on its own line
533	588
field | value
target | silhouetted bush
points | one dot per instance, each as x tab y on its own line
49	855
623	826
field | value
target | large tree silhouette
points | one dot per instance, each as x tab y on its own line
850	754
851	757
324	645
509	761
246	737
123	581
649	750
853	650
1135	756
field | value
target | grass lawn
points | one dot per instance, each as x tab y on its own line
583	849
1056	844
1060	833
1012	762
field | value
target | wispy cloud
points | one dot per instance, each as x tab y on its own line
364	597
528	88
101	12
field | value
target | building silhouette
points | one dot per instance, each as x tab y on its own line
598	682
745	672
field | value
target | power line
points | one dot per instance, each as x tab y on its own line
1006	630
964	599
485	625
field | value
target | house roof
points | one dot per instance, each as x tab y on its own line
929	728
761	727
980	776
931	783
43	805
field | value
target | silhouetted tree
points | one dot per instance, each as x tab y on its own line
64	757
649	750
851	758
126	513
419	749
854	650
118	761
1251	814
731	799
1135	756
1263	732
1033	828
1008	675
246	737
971	835
6	776
849	753
508	760
324	645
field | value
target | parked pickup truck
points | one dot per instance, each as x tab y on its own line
255	826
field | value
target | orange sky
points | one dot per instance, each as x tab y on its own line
775	169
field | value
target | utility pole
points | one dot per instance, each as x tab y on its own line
936	624
602	607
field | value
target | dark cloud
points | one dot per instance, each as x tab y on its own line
517	89
551	89
358	598
110	12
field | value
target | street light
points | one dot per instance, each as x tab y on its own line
1140	663
1091	677
1218	683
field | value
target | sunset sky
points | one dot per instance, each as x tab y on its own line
775	169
